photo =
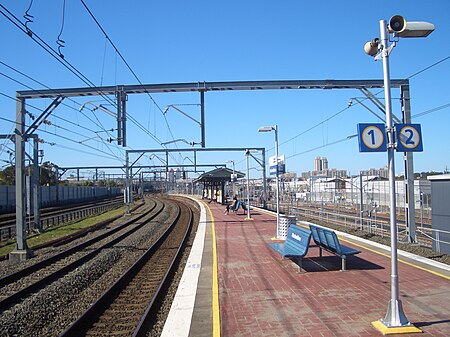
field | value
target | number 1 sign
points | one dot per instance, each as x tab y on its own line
372	137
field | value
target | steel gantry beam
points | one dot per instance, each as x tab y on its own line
128	196
210	86
122	91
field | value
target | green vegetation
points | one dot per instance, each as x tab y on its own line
60	231
47	174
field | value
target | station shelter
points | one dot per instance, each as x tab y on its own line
214	183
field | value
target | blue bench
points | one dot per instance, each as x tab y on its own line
238	205
296	244
327	239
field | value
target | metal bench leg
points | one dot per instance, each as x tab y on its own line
344	260
320	251
299	263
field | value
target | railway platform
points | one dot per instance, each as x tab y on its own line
239	286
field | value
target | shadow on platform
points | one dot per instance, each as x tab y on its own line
422	324
333	263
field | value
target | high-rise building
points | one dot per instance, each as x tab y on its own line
317	164
324	163
320	164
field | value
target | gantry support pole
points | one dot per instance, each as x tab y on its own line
36	186
21	251
410	209
202	116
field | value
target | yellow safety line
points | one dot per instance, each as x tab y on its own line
215	281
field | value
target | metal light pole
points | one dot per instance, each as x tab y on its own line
395	316
232	178
269	129
395	319
249	217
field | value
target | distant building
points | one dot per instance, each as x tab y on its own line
321	170
320	164
381	172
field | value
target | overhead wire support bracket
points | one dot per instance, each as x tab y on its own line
376	102
43	116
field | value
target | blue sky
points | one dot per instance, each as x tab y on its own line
191	41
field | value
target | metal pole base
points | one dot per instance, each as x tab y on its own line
395	320
20	255
248	219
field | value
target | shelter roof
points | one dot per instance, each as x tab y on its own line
218	174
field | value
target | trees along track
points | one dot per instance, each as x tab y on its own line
16	286
124	308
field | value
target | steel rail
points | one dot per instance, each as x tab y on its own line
17	296
140	330
92	314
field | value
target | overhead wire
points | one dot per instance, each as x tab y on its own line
98	123
431	110
348	107
31	34
61	43
135	76
429	67
50	50
106	155
66	138
27	16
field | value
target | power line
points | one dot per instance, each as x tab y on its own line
68	139
322	146
44	45
341	111
54	134
135	76
315	126
431	110
98	123
429	67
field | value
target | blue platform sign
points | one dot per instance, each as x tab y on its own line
273	165
372	137
409	137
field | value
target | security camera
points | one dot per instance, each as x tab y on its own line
371	47
401	28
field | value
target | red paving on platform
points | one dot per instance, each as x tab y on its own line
262	295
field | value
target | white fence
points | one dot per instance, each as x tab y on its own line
52	195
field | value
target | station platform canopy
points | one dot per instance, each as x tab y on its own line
214	183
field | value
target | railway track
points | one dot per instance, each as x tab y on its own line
124	308
351	211
48	299
40	274
377	226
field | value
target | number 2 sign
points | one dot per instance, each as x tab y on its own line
372	137
409	137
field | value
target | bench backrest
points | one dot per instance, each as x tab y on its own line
325	238
298	238
236	206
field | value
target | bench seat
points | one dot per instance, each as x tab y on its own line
327	239
296	244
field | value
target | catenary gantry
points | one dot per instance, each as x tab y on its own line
121	92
